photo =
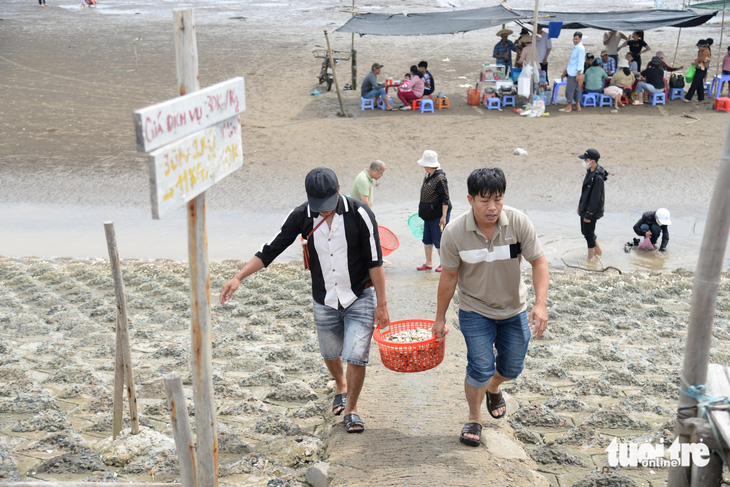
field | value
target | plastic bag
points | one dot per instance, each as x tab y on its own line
690	75
646	244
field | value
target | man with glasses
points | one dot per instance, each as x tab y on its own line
362	188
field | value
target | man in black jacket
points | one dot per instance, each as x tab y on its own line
346	263
592	196
653	223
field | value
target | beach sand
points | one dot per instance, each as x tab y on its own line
71	80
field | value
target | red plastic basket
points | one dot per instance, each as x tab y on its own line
388	241
409	357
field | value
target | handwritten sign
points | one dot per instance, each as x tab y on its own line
173	119
184	169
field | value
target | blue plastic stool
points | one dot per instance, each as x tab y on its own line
604	100
427	105
494	103
557	83
367	103
508	100
655	98
676	93
382	105
589	99
717	82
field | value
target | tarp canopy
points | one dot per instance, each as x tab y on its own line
434	23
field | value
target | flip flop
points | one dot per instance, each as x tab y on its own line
494	402
352	420
471	429
338	405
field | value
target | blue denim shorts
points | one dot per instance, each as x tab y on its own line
482	335
346	332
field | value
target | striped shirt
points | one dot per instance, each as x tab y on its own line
340	255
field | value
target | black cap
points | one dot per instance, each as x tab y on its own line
322	189
590	154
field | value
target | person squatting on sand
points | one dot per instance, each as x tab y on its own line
348	280
482	251
592	196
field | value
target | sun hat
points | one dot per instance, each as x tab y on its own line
429	159
623	63
502	32
590	154
322	189
662	216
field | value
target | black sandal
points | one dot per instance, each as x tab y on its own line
338	405
494	402
471	429
352	420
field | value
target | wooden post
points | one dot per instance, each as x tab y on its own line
118	383
186	53
334	74
126	354
704	295
181	429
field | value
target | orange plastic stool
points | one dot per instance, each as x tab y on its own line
442	102
722	103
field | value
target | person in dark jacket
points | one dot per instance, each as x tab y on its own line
434	207
653	223
592	196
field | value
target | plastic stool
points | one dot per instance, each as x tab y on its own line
382	105
722	103
442	103
588	99
557	83
655	98
494	103
416	104
604	100
508	100
676	93
427	105
367	103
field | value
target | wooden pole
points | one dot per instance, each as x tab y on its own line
186	53
118	383
111	242
334	74
704	295
181	429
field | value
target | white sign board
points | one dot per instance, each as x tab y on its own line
184	169
171	120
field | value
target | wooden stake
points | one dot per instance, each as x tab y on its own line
334	74
704	295
181	429
111	242
186	54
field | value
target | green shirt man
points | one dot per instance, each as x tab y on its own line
362	187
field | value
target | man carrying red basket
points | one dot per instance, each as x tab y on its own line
346	263
482	251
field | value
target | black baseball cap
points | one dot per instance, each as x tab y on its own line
591	154
322	189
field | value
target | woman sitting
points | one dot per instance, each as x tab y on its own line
595	77
415	89
621	82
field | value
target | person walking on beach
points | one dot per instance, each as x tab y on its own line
434	207
573	71
348	281
362	187
592	196
482	251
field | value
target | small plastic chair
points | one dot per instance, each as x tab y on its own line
367	103
494	103
589	100
442	103
557	83
722	103
508	100
676	93
427	105
604	100
655	98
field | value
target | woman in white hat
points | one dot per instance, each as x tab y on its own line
434	207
